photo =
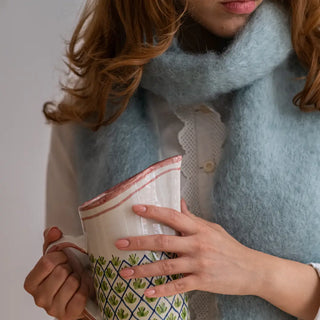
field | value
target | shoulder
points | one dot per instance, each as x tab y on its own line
62	146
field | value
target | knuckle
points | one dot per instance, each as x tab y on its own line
162	241
26	284
195	246
40	300
179	285
203	228
203	263
52	311
62	271
202	246
199	245
167	267
174	216
204	278
73	281
138	242
46	263
152	210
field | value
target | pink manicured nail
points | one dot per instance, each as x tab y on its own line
127	272
139	208
49	230
149	292
122	243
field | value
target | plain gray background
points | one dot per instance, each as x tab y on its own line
32	45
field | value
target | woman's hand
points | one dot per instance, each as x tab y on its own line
53	284
210	259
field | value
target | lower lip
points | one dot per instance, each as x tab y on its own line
240	7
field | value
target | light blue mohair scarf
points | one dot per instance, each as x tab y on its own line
267	185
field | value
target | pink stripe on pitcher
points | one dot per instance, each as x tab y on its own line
87	315
129	196
125	185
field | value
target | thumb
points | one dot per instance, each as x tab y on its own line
184	209
50	235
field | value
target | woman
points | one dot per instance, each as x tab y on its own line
213	80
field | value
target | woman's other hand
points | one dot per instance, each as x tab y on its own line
54	285
210	259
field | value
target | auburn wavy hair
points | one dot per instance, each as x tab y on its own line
113	40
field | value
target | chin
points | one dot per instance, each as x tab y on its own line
229	29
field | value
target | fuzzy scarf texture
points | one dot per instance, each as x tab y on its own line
266	188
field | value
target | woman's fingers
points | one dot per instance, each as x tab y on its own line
185	210
56	288
159	268
42	270
64	295
78	301
157	242
174	287
51	285
50	235
172	218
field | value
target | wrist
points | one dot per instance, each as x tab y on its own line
268	274
261	272
289	285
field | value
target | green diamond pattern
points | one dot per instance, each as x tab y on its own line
123	299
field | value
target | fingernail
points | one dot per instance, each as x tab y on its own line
127	272
149	292
47	231
56	229
138	208
122	243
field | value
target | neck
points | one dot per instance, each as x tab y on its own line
194	38
184	78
